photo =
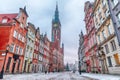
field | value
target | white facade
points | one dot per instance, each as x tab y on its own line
106	38
27	66
114	68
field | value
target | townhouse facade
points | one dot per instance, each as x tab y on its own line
13	32
41	53
36	51
106	38
81	53
86	60
28	64
103	35
46	54
23	49
91	35
114	8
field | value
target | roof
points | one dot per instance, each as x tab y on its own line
31	26
9	16
56	16
24	10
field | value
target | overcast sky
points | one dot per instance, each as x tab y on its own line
41	12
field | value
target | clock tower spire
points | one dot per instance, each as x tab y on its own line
56	27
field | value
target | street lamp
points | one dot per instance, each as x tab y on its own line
79	67
4	54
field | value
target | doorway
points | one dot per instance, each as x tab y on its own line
13	68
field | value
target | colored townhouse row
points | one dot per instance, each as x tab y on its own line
24	50
100	48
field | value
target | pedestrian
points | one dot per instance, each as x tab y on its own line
45	72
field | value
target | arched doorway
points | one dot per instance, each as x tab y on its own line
104	63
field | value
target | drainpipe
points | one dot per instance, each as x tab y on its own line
114	23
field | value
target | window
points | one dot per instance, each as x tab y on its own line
4	20
109	61
103	2
19	37
23	39
94	39
118	16
116	57
107	48
21	51
101	21
114	2
15	34
109	29
103	34
113	45
21	25
106	13
99	38
12	48
99	10
17	48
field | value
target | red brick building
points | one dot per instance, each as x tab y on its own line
86	47
92	62
36	50
57	52
46	54
13	33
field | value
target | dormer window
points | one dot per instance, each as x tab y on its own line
4	20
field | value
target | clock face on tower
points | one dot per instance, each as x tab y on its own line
55	25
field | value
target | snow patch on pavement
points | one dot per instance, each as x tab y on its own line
101	76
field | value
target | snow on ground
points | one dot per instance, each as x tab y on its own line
49	76
61	76
36	76
102	76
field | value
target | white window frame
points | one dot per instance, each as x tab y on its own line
23	39
12	46
4	20
20	37
103	34
17	52
113	45
99	10
15	33
109	29
99	38
21	51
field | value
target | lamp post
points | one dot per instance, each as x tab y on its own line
4	54
79	67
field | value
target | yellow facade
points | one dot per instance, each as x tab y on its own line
102	20
106	38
